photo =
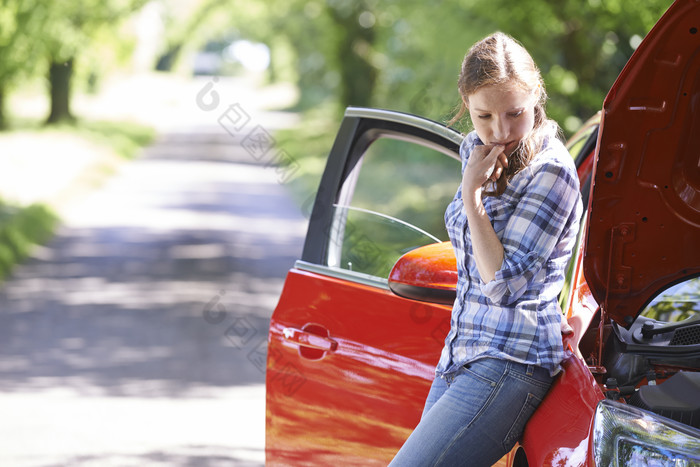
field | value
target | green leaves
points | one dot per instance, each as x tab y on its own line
34	33
416	47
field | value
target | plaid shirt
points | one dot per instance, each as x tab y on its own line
515	316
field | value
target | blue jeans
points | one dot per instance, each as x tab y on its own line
475	415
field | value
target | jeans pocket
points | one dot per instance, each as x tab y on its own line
516	430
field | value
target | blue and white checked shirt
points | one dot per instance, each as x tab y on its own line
515	316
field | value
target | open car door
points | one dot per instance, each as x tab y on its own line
349	362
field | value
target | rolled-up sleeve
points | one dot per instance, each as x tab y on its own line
547	208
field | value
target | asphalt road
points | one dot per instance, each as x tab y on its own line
138	335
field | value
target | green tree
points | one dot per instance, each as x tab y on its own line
421	48
405	54
581	47
189	26
71	25
355	26
21	21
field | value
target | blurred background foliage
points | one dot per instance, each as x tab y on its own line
405	55
45	37
398	54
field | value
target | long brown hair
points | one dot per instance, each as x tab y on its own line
501	60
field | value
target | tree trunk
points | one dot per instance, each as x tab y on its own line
166	61
358	75
60	83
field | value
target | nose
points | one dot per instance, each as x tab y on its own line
500	130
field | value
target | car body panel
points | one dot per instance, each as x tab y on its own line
364	396
558	433
647	176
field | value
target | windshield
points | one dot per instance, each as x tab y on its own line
677	303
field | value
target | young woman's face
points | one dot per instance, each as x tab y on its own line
502	114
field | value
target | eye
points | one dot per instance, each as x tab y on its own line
485	116
515	114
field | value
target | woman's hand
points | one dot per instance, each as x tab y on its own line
485	165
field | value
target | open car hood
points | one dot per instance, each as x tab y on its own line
643	231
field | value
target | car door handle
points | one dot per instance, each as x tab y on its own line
311	336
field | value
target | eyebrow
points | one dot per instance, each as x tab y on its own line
514	109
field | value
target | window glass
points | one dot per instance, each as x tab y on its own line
677	303
393	202
568	287
579	142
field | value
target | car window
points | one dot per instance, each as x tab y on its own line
568	287
580	146
392	202
584	140
582	143
677	303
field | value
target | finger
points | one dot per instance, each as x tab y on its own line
485	160
491	158
486	150
497	150
498	170
503	163
481	153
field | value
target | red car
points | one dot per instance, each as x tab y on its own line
358	330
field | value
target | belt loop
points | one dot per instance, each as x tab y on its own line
530	370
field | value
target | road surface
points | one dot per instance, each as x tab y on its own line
137	336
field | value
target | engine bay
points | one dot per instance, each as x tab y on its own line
653	365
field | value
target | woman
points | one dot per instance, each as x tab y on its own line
513	224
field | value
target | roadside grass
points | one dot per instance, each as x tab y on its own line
124	138
20	229
24	225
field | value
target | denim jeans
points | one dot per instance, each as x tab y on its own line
474	416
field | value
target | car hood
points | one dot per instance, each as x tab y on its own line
644	217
